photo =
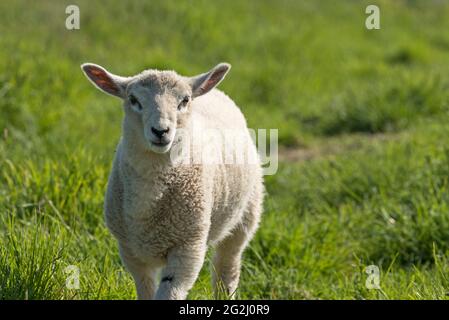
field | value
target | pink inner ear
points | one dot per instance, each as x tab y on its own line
101	79
213	80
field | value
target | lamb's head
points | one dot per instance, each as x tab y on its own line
156	102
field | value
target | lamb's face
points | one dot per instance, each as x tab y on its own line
158	103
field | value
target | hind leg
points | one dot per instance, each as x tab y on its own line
228	255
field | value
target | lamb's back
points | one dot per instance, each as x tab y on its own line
218	110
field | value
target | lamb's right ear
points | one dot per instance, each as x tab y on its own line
105	81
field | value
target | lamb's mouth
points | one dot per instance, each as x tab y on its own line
160	143
160	147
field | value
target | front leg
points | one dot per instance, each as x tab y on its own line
144	275
182	269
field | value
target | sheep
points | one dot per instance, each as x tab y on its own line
165	213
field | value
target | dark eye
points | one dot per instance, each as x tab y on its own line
135	102
184	102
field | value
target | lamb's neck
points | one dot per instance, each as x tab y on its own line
143	161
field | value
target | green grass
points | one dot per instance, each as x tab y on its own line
375	103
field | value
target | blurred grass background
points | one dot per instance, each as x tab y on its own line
362	125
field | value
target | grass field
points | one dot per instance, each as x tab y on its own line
362	118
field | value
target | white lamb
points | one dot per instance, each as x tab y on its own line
164	212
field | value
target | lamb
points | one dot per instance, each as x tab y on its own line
165	212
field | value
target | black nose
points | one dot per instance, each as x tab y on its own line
159	133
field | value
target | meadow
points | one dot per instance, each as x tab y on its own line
362	116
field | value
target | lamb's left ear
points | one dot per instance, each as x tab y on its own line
205	82
104	80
